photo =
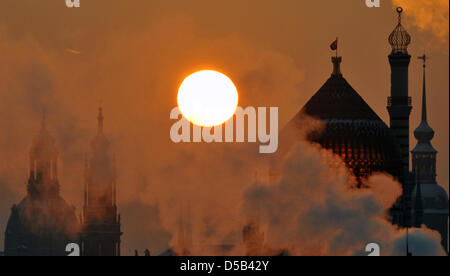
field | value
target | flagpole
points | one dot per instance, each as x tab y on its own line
337	46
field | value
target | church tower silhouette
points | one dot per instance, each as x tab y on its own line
430	199
43	223
100	222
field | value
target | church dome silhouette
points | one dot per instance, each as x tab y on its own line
43	223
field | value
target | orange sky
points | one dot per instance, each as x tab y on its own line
133	56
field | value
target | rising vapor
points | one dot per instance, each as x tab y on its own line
313	210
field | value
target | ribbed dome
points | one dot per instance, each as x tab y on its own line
399	38
353	130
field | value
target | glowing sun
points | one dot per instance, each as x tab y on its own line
207	98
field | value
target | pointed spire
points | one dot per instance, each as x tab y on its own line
423	154
100	142
424	98
424	95
424	133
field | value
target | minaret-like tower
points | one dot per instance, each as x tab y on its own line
431	200
101	224
399	106
399	102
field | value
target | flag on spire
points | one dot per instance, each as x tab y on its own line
334	45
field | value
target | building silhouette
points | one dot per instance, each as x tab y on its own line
365	144
430	200
42	224
399	106
422	201
399	102
101	225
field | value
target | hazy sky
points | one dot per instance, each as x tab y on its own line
133	55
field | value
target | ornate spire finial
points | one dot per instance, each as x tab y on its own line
399	11
399	38
424	58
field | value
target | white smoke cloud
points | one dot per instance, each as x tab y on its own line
313	211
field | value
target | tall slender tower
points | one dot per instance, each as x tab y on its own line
431	200
101	224
399	107
399	102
